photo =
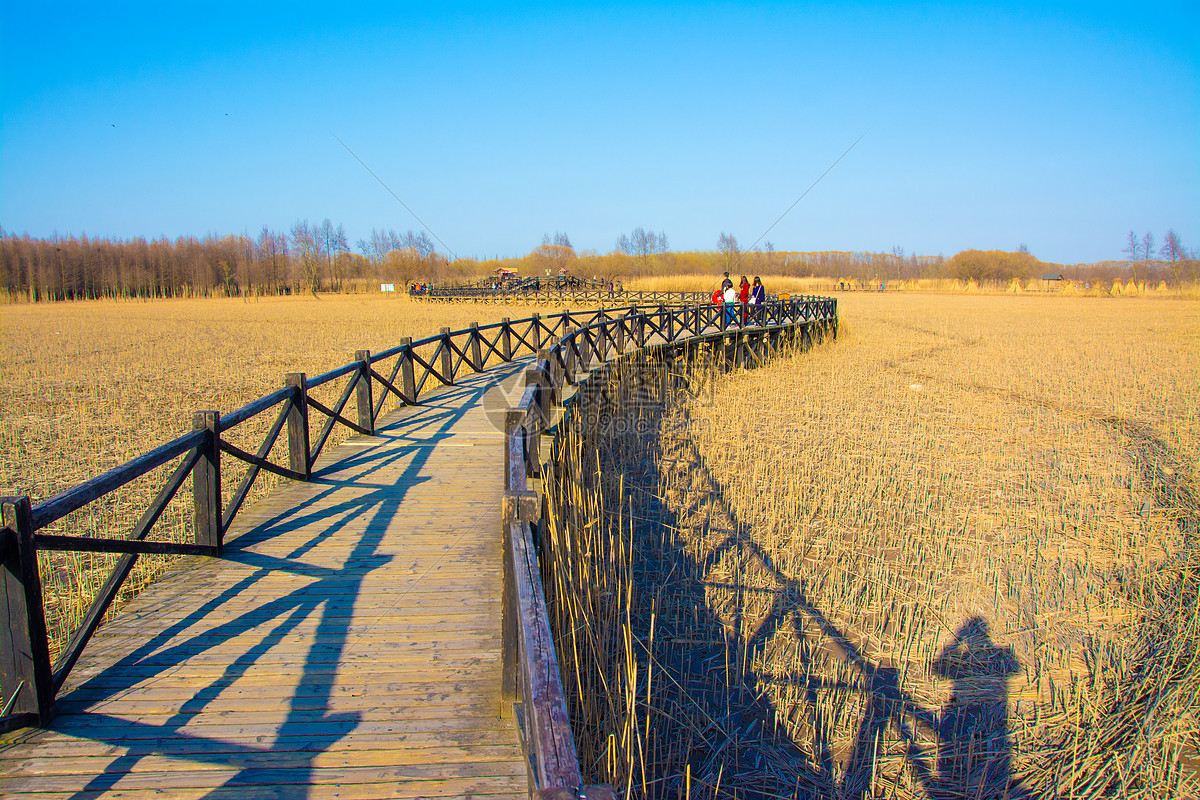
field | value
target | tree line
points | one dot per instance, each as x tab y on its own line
307	257
643	253
311	257
1173	257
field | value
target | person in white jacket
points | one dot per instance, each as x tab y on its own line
731	299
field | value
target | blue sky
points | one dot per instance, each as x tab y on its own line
1058	126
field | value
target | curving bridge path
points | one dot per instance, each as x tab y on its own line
346	644
367	630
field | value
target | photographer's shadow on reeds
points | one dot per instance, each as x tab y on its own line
974	750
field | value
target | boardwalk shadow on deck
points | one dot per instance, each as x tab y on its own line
310	727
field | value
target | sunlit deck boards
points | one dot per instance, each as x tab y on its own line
347	645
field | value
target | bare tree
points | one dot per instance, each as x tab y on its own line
553	254
306	246
1172	249
727	246
1133	249
374	248
644	245
559	240
1147	250
269	249
1173	252
420	242
409	249
895	263
331	243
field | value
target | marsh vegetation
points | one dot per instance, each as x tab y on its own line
951	555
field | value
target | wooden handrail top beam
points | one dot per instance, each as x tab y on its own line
332	375
255	408
76	497
91	544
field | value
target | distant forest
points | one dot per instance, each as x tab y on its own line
317	257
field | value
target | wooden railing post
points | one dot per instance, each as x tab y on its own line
513	419
553	371
447	364
601	348
366	407
568	356
26	683
476	350
641	330
585	348
206	482
408	376
621	321
536	329
506	339
297	423
537	377
670	320
509	653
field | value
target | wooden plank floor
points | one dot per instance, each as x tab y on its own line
347	645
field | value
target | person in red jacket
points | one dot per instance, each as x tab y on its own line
744	297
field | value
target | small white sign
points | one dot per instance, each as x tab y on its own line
387	287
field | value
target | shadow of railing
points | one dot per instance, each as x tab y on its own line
701	632
318	611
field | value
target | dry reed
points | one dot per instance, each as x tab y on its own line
951	556
851	286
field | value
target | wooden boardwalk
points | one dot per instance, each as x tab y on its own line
347	644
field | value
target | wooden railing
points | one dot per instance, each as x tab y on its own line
557	293
566	344
530	667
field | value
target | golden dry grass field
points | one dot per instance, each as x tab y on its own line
87	386
790	284
952	554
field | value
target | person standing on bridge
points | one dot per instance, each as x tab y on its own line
758	296
744	296
719	293
731	297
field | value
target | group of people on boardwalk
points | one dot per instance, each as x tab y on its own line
747	294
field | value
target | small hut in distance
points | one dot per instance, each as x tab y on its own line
1051	281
